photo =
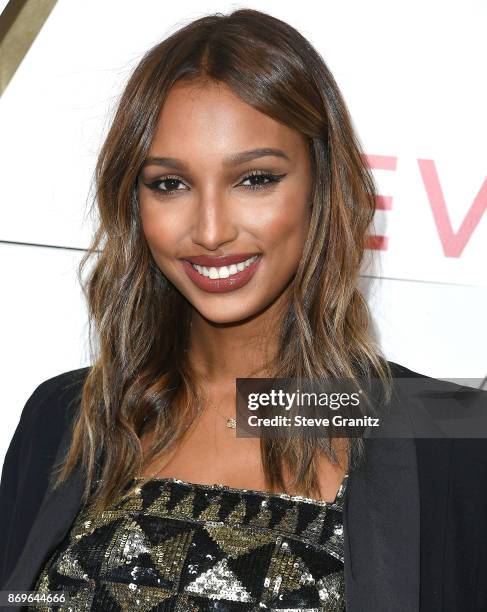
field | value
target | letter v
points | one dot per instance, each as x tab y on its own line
452	243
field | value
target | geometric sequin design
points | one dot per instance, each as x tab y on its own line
170	545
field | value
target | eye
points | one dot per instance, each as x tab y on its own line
170	183
261	180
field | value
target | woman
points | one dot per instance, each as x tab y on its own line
234	203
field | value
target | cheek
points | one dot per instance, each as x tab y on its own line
162	230
285	228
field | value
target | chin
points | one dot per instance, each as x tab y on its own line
226	314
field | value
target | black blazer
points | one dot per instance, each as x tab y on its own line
415	512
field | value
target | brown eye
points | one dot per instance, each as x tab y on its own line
261	180
169	183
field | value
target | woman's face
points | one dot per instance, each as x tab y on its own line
223	180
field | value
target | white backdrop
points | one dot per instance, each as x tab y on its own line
413	76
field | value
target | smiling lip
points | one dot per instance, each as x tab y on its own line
221	285
217	262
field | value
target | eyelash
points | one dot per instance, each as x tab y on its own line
272	180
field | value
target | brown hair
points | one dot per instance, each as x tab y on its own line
140	379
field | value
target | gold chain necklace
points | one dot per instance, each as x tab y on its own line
230	421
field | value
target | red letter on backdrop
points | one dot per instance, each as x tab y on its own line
452	243
380	162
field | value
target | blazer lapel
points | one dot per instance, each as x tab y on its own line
395	508
56	514
430	424
381	515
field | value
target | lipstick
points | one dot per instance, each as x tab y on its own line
221	274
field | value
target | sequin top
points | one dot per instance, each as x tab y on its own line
170	545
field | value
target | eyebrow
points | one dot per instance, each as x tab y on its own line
233	160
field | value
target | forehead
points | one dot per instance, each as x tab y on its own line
209	116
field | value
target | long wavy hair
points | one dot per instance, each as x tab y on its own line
140	380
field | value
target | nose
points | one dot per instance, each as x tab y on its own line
214	223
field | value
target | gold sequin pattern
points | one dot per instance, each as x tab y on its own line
168	545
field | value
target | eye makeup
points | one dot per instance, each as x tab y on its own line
261	180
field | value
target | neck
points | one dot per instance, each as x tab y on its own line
222	352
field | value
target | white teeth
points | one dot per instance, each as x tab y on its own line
224	271
214	272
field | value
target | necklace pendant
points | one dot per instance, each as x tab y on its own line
232	423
